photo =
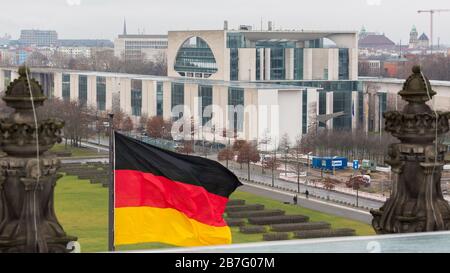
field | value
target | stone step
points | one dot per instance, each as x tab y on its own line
284	219
255	213
244	207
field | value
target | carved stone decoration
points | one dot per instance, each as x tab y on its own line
417	203
28	221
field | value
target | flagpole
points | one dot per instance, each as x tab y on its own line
111	185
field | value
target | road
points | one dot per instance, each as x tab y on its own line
333	195
318	205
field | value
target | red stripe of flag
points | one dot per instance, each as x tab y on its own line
138	189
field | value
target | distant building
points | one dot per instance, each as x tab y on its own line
76	52
38	38
413	38
139	46
364	33
376	41
391	67
424	42
370	68
22	55
85	43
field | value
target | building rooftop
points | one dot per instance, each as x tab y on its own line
372	41
423	37
142	36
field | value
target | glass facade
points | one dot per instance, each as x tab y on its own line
234	64
322	106
305	112
236	118
82	89
205	94
101	93
65	86
277	64
177	97
383	106
344	62
317	43
136	97
195	59
298	64
342	101
258	64
236	40
361	108
159	99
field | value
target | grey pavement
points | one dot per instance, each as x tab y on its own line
311	203
333	195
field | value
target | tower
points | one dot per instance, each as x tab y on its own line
413	37
124	27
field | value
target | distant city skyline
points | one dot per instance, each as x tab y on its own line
103	19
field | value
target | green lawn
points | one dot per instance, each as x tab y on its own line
76	152
81	208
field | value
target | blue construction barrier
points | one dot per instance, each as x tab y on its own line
329	163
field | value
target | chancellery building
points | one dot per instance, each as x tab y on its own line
256	82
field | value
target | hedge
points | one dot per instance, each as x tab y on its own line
278	236
300	226
255	213
285	219
245	208
235	222
236	202
252	229
322	233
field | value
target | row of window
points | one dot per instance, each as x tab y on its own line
195	59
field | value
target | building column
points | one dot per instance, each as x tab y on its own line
58	85
74	87
355	110
330	109
289	63
313	107
307	64
167	100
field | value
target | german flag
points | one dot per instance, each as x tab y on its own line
162	196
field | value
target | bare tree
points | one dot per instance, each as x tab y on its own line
248	153
226	155
77	118
186	148
127	124
271	163
284	146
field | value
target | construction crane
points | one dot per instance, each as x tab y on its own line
432	12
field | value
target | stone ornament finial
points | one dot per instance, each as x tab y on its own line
417	88
416	203
27	217
17	93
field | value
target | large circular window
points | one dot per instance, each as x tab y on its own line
195	59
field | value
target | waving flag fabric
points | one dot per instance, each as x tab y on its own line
162	196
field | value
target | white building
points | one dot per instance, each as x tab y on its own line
137	47
76	52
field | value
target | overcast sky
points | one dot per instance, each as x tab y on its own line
104	18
